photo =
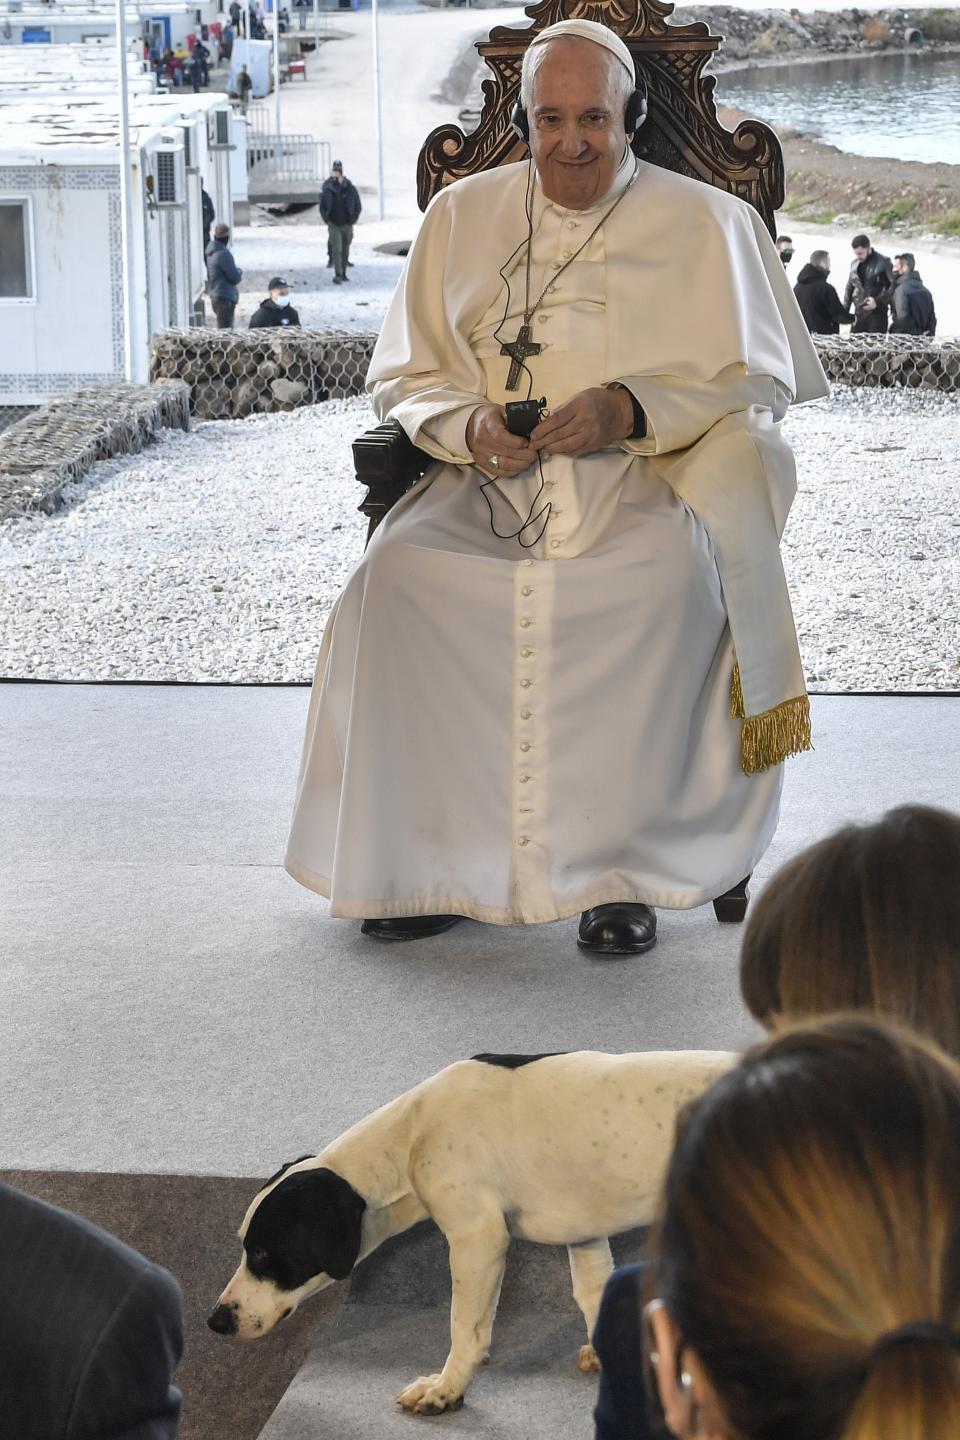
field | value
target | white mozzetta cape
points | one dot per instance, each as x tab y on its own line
694	286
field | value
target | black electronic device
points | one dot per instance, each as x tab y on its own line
633	116
523	416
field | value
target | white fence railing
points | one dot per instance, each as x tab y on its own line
294	158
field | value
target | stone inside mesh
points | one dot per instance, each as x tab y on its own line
234	373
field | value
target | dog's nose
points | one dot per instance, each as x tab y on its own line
224	1320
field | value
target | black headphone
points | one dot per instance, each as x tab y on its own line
633	116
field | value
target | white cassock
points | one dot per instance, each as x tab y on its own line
518	734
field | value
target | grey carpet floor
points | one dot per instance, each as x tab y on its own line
395	1326
173	1002
174	1005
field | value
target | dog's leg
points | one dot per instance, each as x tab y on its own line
477	1257
590	1267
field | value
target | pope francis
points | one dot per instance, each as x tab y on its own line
565	673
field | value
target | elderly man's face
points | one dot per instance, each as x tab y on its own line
576	122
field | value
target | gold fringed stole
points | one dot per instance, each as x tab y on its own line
772	736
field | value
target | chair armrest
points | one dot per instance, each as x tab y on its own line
388	463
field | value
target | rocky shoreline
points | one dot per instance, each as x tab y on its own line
754	37
827	186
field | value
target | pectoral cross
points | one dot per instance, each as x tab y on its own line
518	350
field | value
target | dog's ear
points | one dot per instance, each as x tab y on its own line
344	1209
309	1224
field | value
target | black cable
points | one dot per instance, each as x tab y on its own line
548	507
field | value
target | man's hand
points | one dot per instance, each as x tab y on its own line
586	422
869	303
488	439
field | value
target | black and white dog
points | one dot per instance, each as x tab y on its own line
562	1149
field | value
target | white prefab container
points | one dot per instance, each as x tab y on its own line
91	22
209	139
61	274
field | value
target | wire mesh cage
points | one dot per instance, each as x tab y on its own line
56	444
235	373
889	360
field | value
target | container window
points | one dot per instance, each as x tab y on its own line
16	270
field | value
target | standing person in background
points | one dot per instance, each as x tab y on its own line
196	72
820	305
235	13
869	288
244	86
223	277
340	209
209	215
202	52
276	310
913	311
785	249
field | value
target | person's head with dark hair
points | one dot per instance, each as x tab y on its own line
867	919
805	1267
904	264
785	248
821	259
221	232
861	247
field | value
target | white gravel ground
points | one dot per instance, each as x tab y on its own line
216	555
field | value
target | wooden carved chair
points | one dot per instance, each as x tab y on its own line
682	133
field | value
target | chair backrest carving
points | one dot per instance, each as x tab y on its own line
682	131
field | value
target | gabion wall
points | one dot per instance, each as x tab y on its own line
57	443
10	414
233	373
891	360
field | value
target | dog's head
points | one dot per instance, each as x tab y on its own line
301	1233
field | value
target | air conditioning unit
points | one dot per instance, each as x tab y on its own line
220	132
168	177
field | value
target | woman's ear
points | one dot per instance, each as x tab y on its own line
689	1401
663	1358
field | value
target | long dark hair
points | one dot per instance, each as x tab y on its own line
809	1208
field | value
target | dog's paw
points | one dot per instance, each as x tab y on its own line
588	1360
429	1396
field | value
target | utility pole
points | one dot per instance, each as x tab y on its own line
377	103
276	77
126	199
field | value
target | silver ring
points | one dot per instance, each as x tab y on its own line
494	461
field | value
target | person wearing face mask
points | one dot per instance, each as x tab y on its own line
805	1274
820	305
785	249
558	619
276	310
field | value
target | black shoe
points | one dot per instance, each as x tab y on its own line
623	928
409	927
345	277
338	279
